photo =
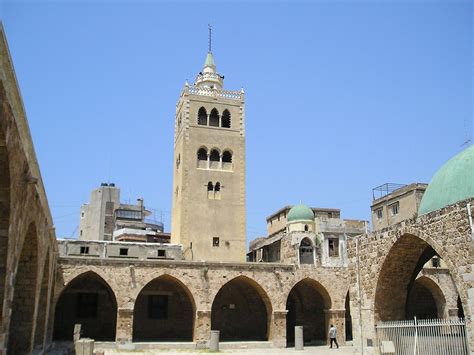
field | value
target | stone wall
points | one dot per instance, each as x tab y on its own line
263	283
27	242
384	264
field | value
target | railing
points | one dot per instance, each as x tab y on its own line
423	337
228	94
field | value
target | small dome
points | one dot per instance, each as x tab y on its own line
300	213
452	183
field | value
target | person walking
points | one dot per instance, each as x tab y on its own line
333	336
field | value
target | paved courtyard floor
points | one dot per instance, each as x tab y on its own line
316	350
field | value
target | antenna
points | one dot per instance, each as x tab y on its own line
210	37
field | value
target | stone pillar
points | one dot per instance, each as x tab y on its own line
202	328
277	328
124	333
337	317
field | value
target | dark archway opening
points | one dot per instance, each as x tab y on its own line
460	309
421	304
21	323
87	300
348	318
305	305
164	311
240	311
398	294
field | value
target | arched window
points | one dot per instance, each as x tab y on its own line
214	159
225	119
306	228
227	160
227	157
210	191
202	116
179	122
214	118
306	252
202	154
202	158
217	191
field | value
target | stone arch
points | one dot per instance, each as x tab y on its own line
23	304
426	300
88	300
4	214
307	303
164	310
241	311
41	317
400	267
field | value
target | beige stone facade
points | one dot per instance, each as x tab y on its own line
208	213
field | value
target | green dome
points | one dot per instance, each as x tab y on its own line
299	213
452	183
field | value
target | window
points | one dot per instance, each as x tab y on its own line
214	118
161	253
123	251
129	214
158	306
215	242
86	306
225	119
202	117
202	154
217	191
379	213
306	228
210	190
394	209
227	157
333	244
84	250
82	214
178	161
436	262
80	232
214	155
179	122
306	252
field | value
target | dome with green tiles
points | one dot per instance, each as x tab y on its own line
452	183
300	213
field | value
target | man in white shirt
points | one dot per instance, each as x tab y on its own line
332	336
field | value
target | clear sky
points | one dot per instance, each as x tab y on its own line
340	96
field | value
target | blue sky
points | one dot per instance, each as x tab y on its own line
340	96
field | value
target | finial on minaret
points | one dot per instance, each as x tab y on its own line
210	37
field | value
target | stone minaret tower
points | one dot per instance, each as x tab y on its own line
208	216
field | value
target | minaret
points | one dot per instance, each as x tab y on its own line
209	215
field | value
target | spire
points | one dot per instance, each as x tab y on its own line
209	77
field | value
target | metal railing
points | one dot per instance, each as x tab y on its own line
423	337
